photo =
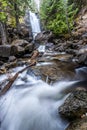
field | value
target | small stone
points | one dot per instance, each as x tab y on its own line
12	58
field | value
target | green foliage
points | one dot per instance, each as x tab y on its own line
3	5
57	15
9	9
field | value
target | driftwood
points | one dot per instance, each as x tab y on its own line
9	84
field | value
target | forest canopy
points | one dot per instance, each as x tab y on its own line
58	15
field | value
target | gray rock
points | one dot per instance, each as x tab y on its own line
5	50
43	37
75	105
12	58
82	59
14	50
29	47
80	124
20	42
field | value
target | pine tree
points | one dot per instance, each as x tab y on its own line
57	16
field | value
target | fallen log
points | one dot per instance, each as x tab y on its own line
11	81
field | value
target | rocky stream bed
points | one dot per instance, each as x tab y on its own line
63	60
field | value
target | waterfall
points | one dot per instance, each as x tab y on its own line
35	24
37	4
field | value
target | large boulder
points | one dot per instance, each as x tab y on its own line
53	71
17	50
29	47
20	47
20	42
75	105
43	37
80	124
5	50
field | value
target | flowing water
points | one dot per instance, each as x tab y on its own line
31	105
35	24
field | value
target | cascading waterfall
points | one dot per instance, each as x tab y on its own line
37	4
35	24
33	105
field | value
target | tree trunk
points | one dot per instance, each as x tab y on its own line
16	16
3	33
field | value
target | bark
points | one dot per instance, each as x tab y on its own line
3	33
16	16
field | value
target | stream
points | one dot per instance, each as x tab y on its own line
32	104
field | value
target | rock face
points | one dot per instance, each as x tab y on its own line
80	124
43	37
75	105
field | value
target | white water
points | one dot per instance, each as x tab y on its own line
37	4
41	48
35	24
31	105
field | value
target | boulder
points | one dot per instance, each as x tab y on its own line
21	47
43	37
17	50
29	47
24	31
14	50
20	42
5	50
53	71
82	59
75	105
80	124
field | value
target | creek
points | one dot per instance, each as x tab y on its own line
32	104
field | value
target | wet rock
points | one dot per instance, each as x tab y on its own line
1	63
83	49
52	71
80	124
63	57
84	35
21	47
14	50
27	56
12	58
2	70
82	59
10	64
81	55
49	46
29	48
43	37
20	42
17	50
75	105
20	62
20	51
5	50
24	31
